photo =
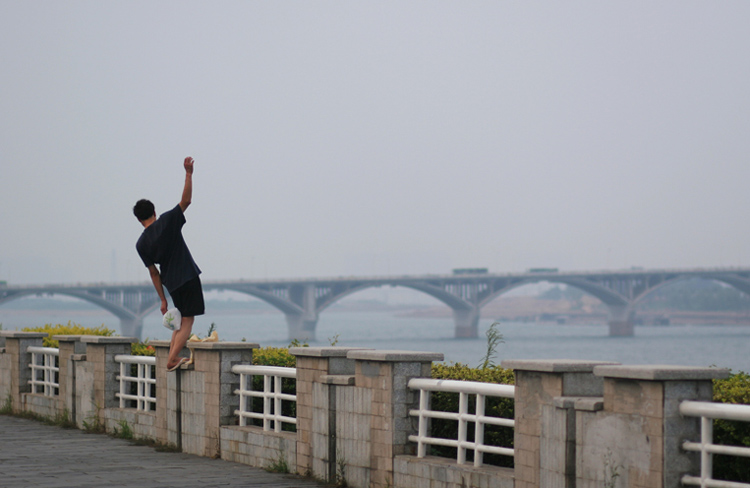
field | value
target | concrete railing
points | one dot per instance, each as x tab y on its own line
577	423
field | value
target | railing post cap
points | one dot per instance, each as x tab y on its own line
661	372
554	365
395	356
93	339
67	338
17	334
323	352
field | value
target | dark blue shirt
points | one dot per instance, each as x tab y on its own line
162	243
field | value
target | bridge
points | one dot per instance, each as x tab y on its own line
465	292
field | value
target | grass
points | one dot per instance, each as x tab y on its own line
7	408
61	419
278	466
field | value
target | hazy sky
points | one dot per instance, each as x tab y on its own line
348	138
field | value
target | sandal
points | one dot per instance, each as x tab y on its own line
179	363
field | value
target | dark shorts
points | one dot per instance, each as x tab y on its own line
188	298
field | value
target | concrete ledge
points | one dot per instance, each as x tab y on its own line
323	352
337	379
91	339
67	338
437	471
589	404
16	334
399	356
221	345
661	372
554	365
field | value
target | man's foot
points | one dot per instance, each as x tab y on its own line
176	365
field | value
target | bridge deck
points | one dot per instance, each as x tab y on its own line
34	454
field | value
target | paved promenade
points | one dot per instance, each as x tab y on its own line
33	454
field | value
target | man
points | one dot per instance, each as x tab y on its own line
162	243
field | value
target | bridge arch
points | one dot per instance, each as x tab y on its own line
131	323
738	283
284	306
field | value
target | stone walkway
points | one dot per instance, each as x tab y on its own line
34	454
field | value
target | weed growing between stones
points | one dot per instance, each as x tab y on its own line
93	424
340	470
124	432
61	419
611	470
7	408
278	466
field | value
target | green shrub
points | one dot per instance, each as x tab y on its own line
735	389
274	356
70	329
142	349
497	407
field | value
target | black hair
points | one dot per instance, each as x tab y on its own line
143	209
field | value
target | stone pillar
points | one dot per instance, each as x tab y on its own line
17	361
102	370
635	440
194	401
320	373
545	427
71	352
167	427
373	423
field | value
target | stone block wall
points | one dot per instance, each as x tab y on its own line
578	423
428	472
141	424
255	447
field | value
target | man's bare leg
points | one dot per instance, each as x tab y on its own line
179	339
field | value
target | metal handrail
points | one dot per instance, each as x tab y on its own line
48	370
271	394
464	389
144	378
707	412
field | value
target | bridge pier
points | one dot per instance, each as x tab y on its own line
301	327
621	320
131	327
467	323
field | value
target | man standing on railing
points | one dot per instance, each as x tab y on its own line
162	243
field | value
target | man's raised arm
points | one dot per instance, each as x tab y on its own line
187	191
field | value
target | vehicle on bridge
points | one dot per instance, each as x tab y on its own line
470	271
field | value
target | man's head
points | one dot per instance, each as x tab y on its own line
144	210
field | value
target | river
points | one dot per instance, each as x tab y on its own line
694	345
